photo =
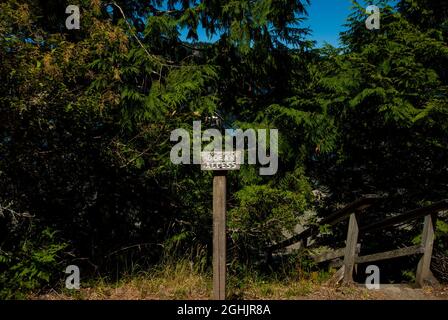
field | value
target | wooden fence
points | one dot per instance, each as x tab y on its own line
351	252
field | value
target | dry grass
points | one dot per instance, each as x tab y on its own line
183	281
179	281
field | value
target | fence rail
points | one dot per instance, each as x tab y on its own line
331	220
405	217
352	248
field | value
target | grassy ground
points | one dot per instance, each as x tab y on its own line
183	281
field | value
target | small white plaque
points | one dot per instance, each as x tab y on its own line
220	160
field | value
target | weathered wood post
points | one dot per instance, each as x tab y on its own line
423	269
219	235
350	248
219	162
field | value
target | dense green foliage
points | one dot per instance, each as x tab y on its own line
86	116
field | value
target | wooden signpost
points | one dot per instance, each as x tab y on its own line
219	162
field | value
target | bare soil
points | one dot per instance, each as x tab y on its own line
138	291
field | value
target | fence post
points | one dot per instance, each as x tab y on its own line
350	248
423	268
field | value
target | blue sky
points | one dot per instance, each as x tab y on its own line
326	19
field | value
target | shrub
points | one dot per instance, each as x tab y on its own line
32	265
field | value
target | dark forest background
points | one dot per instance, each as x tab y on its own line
86	116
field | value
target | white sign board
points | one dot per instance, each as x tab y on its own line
220	160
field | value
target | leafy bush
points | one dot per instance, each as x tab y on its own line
32	265
263	216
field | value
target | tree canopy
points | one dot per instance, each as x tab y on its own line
85	172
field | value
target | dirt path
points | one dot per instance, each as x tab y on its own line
406	292
386	292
